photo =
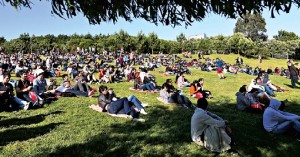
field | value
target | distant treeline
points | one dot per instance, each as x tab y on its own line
282	47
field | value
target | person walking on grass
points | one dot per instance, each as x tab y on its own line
219	63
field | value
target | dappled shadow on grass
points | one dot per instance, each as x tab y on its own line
292	86
163	133
26	121
252	139
166	132
23	134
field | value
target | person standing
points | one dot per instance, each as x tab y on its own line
259	59
219	63
293	74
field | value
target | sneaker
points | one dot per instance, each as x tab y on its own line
26	107
41	103
139	120
91	92
143	112
144	105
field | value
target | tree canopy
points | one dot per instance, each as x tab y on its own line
253	26
285	36
166	12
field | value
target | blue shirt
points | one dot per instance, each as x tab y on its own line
39	86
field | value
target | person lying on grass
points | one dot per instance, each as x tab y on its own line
170	95
278	122
123	107
267	81
65	87
210	130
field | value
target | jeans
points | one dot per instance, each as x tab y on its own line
27	98
82	86
268	90
21	103
147	86
294	80
284	126
181	99
77	92
136	102
121	106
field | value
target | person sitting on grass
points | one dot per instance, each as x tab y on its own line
260	81
7	98
194	89
140	86
197	90
243	102
210	130
262	95
23	87
39	88
257	99
181	81
278	122
170	95
200	86
123	107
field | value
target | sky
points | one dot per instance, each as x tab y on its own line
39	21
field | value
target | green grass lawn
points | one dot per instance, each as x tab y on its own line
68	127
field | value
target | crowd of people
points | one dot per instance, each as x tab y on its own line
259	98
35	86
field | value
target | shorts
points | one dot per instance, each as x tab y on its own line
219	70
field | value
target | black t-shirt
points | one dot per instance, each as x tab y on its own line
22	84
5	66
170	88
9	91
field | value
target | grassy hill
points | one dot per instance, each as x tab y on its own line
68	127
